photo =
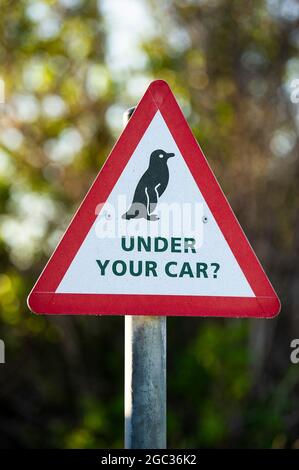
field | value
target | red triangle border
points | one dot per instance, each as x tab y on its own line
44	300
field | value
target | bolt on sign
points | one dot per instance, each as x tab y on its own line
155	234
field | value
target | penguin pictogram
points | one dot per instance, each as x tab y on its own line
150	187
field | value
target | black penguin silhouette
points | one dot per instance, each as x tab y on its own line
150	187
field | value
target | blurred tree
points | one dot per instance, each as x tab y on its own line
53	139
231	65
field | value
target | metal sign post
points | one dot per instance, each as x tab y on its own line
145	378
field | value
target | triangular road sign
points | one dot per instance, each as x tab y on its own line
155	235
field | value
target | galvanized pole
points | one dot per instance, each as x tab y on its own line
145	378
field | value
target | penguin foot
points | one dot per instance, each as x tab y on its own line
153	217
131	215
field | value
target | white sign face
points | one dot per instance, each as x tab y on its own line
155	234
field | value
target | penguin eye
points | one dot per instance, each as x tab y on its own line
161	155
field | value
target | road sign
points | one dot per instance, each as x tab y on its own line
155	234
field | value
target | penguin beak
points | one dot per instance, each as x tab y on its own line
169	155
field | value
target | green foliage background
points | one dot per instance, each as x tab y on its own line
230	63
